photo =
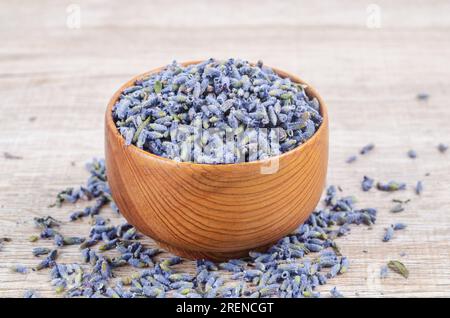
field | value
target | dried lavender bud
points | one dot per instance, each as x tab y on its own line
73	240
412	154
401	201
351	159
129	234
344	265
180	277
442	147
19	268
49	261
88	243
383	272
399	268
38	251
391	186
397	208
48	233
78	214
366	149
419	188
30	294
399	226
423	96
108	245
388	234
9	156
46	222
105	268
59	240
367	183
335	293
184	112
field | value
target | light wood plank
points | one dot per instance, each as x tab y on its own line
369	78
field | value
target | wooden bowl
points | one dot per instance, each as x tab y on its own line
216	212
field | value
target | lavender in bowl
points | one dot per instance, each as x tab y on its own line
216	112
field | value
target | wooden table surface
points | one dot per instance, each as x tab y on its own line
55	82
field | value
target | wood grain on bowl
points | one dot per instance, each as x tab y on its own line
216	211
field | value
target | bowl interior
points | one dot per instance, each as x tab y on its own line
310	91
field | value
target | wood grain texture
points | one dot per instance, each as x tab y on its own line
368	77
216	212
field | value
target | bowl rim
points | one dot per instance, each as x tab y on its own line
310	90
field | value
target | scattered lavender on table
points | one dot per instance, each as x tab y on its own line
293	267
216	112
442	148
367	183
391	186
366	149
419	188
412	154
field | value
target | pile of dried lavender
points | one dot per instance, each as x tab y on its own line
216	112
293	267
